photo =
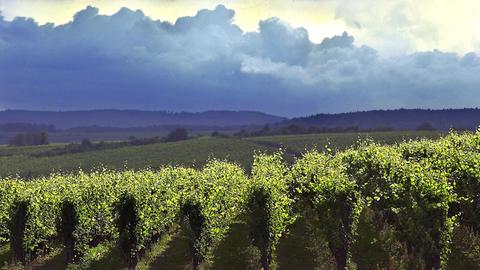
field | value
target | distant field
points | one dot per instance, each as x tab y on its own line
195	152
339	141
77	136
189	153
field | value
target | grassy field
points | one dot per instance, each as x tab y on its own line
188	153
78	136
195	152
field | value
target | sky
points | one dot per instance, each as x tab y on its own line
285	57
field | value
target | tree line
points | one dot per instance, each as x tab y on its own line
297	129
33	138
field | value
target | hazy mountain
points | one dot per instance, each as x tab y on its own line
136	118
116	120
25	127
402	119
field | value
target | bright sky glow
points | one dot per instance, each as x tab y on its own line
318	17
393	27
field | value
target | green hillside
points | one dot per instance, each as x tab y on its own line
195	152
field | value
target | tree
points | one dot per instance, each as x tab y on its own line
18	140
41	138
24	139
293	129
241	133
178	134
266	128
86	143
426	127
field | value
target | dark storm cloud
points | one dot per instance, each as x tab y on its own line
128	60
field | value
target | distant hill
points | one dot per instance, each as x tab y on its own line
128	120
136	118
402	119
25	127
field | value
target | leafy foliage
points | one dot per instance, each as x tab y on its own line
413	197
270	203
9	189
421	189
211	203
148	207
88	208
36	209
321	180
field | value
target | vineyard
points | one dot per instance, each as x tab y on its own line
418	196
28	161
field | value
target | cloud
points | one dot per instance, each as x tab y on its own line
201	62
396	27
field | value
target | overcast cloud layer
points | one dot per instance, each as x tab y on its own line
204	62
